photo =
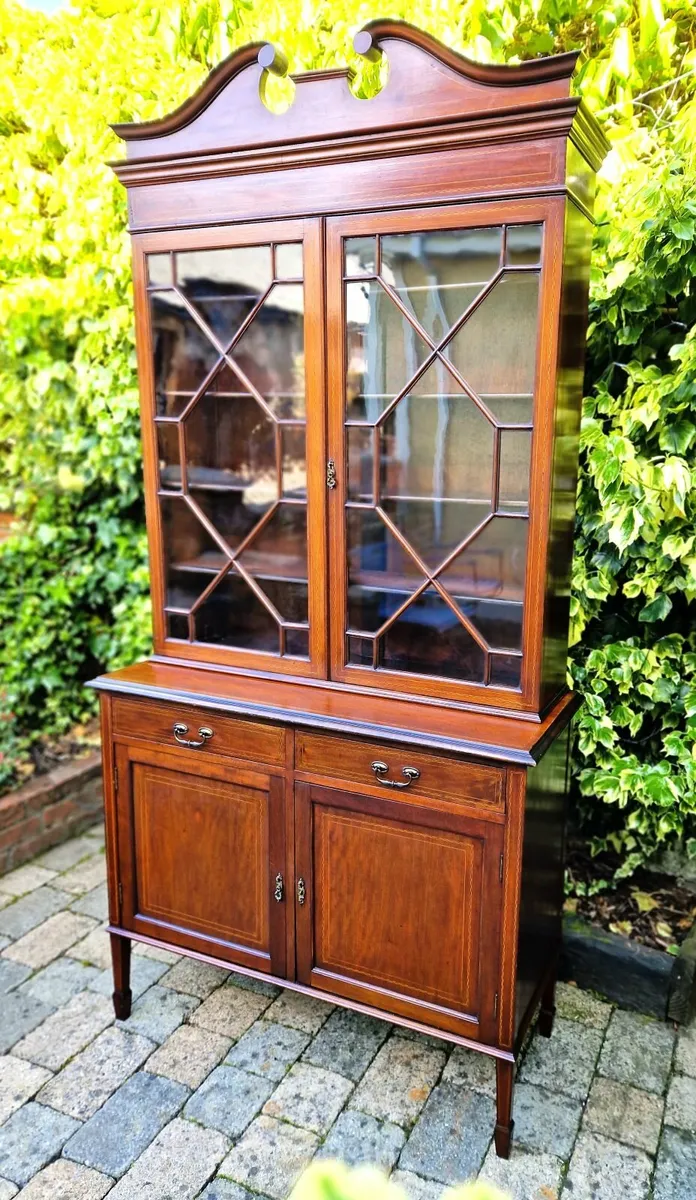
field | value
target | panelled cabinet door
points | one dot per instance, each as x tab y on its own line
230	348
202	854
441	367
398	907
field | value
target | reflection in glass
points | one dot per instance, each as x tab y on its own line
297	643
224	285
360	458
294	462
515	458
523	245
500	621
383	351
270	352
495	350
506	670
168	456
159	270
288	258
177	626
233	616
361	255
279	549
359	651
183	355
436	442
434	528
230	443
191	555
493	565
438	273
429	639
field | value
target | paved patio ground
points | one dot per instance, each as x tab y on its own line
220	1087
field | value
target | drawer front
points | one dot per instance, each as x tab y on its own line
237	737
439	777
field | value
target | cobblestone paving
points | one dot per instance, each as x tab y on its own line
224	1088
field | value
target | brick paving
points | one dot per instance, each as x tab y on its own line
224	1088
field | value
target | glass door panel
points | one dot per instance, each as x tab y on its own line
440	341
230	416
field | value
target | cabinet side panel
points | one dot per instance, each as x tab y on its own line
569	388
110	807
541	898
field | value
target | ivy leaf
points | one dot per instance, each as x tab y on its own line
678	437
656	610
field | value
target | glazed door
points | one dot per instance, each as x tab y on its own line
441	371
398	907
230	343
202	853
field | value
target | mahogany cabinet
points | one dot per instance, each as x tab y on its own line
360	329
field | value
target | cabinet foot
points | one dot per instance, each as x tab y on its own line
547	1011
120	961
505	1078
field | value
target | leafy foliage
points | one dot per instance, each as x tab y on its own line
73	579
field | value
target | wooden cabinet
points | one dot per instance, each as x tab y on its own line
201	847
360	330
399	907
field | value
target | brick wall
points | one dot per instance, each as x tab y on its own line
49	809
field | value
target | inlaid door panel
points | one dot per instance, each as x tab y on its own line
203	846
399	907
231	351
440	384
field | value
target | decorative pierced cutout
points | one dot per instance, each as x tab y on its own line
438	448
230	419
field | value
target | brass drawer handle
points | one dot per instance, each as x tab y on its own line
180	729
380	769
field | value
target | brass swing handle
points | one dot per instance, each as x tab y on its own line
180	729
380	769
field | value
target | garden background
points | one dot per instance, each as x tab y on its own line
73	572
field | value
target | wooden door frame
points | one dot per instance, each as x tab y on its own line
310	233
549	211
129	755
491	834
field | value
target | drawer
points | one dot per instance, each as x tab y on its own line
234	736
439	778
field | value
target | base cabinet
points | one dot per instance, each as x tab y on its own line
201	846
399	907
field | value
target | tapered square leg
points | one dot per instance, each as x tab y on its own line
505	1077
547	1011
121	961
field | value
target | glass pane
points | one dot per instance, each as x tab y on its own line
361	255
183	355
177	627
434	528
438	273
495	350
279	551
436	442
288	260
429	639
493	565
506	670
171	404
168	457
294	462
359	651
224	285
523	245
360	459
159	270
369	607
500	621
233	616
270	352
373	553
191	555
231	443
383	350
515	458
297	643
511	410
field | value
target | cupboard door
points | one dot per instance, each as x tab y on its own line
440	376
399	907
231	358
202	846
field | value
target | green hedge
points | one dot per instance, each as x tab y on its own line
73	581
